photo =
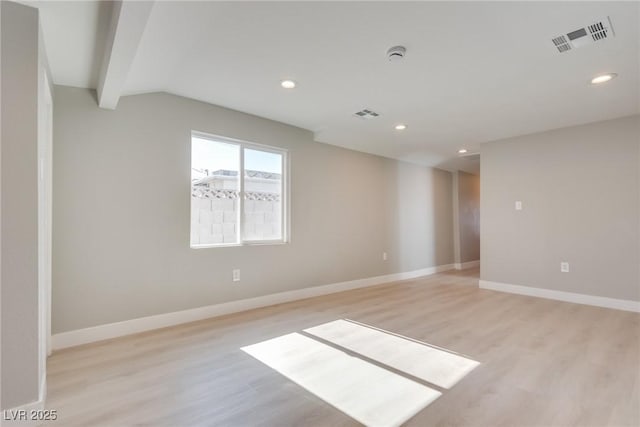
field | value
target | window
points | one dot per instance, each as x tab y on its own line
238	192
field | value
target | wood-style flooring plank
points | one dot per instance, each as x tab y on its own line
542	363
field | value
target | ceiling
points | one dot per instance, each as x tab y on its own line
474	71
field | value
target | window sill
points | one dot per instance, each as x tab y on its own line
233	245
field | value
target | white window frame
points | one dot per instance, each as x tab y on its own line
285	217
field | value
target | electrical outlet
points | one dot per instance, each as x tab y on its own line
384	256
564	267
236	275
518	205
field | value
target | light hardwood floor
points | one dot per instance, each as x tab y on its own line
542	363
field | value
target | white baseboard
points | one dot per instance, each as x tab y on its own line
618	304
465	265
21	415
128	327
43	390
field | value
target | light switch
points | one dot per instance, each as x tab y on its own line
518	205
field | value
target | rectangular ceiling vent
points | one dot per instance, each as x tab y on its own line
599	30
366	114
562	43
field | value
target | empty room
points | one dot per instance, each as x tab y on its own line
319	213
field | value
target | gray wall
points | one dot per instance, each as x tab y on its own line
579	189
121	212
19	192
466	217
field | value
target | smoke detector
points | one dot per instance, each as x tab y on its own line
595	32
396	53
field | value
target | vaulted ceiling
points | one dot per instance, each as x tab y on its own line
473	71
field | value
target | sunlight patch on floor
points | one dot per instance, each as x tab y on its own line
428	363
366	392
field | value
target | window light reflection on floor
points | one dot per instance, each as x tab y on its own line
428	363
373	376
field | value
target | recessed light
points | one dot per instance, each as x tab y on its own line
401	126
603	78
288	84
462	151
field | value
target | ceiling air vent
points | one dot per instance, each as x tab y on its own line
366	114
562	43
599	30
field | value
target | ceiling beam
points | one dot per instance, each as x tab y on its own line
127	25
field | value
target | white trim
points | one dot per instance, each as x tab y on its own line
43	391
618	304
38	405
142	324
465	265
